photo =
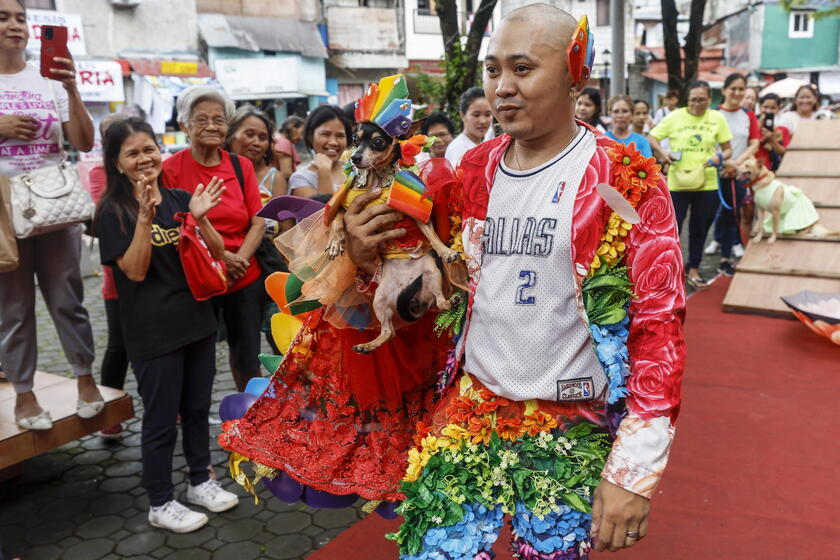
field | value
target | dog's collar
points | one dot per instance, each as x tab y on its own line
757	179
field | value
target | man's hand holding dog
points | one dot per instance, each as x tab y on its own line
367	228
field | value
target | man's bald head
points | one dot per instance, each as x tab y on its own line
526	76
550	24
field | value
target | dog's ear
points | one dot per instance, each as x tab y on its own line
412	130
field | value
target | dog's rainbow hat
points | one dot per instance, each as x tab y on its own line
386	104
581	53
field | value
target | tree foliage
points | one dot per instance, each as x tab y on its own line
461	65
682	70
828	8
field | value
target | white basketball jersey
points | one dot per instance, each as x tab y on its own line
527	338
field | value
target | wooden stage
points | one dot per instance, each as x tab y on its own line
58	395
796	263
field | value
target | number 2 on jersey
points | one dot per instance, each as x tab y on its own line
522	296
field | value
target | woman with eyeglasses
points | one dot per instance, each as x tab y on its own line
699	140
204	113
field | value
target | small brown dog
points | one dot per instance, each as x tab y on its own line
408	287
791	211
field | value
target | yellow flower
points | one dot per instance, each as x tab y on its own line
454	432
416	461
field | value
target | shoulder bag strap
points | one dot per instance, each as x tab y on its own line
50	86
237	168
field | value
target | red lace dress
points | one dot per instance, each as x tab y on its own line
310	425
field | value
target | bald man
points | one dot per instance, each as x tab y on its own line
568	369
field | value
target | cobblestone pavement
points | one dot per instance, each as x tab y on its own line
83	500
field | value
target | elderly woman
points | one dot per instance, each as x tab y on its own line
34	114
203	114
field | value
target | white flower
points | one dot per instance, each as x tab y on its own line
437	519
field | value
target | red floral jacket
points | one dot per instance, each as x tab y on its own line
655	342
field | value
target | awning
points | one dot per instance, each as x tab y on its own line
715	77
279	77
262	33
164	67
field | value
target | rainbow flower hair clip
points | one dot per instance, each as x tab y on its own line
581	52
386	104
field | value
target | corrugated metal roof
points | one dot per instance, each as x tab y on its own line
263	33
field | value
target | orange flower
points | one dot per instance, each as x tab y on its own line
509	429
479	429
646	175
624	159
422	431
460	410
410	148
539	421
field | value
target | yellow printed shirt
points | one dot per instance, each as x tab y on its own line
697	138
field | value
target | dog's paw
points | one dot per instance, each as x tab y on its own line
771	239
335	248
756	238
450	255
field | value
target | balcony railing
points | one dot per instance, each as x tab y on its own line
426	22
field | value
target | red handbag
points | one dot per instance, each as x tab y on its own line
206	276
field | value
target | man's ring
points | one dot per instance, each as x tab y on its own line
632	535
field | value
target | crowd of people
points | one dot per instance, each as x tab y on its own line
700	147
235	162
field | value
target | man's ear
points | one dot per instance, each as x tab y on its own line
415	126
577	88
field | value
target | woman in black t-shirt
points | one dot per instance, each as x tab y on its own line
169	336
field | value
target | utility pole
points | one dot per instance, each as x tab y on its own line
618	78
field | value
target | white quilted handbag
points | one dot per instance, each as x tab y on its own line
50	198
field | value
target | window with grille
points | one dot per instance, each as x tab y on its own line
801	25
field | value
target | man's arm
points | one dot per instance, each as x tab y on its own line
657	357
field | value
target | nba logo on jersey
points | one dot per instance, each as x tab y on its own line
580	389
558	192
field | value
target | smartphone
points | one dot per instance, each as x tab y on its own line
53	44
768	120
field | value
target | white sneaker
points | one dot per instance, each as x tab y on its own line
712	248
738	251
176	517
212	496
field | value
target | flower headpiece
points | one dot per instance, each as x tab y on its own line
581	52
386	104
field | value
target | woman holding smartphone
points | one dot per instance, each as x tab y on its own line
169	336
35	112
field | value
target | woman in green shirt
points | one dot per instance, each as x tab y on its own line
699	143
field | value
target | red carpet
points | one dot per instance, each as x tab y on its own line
755	469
